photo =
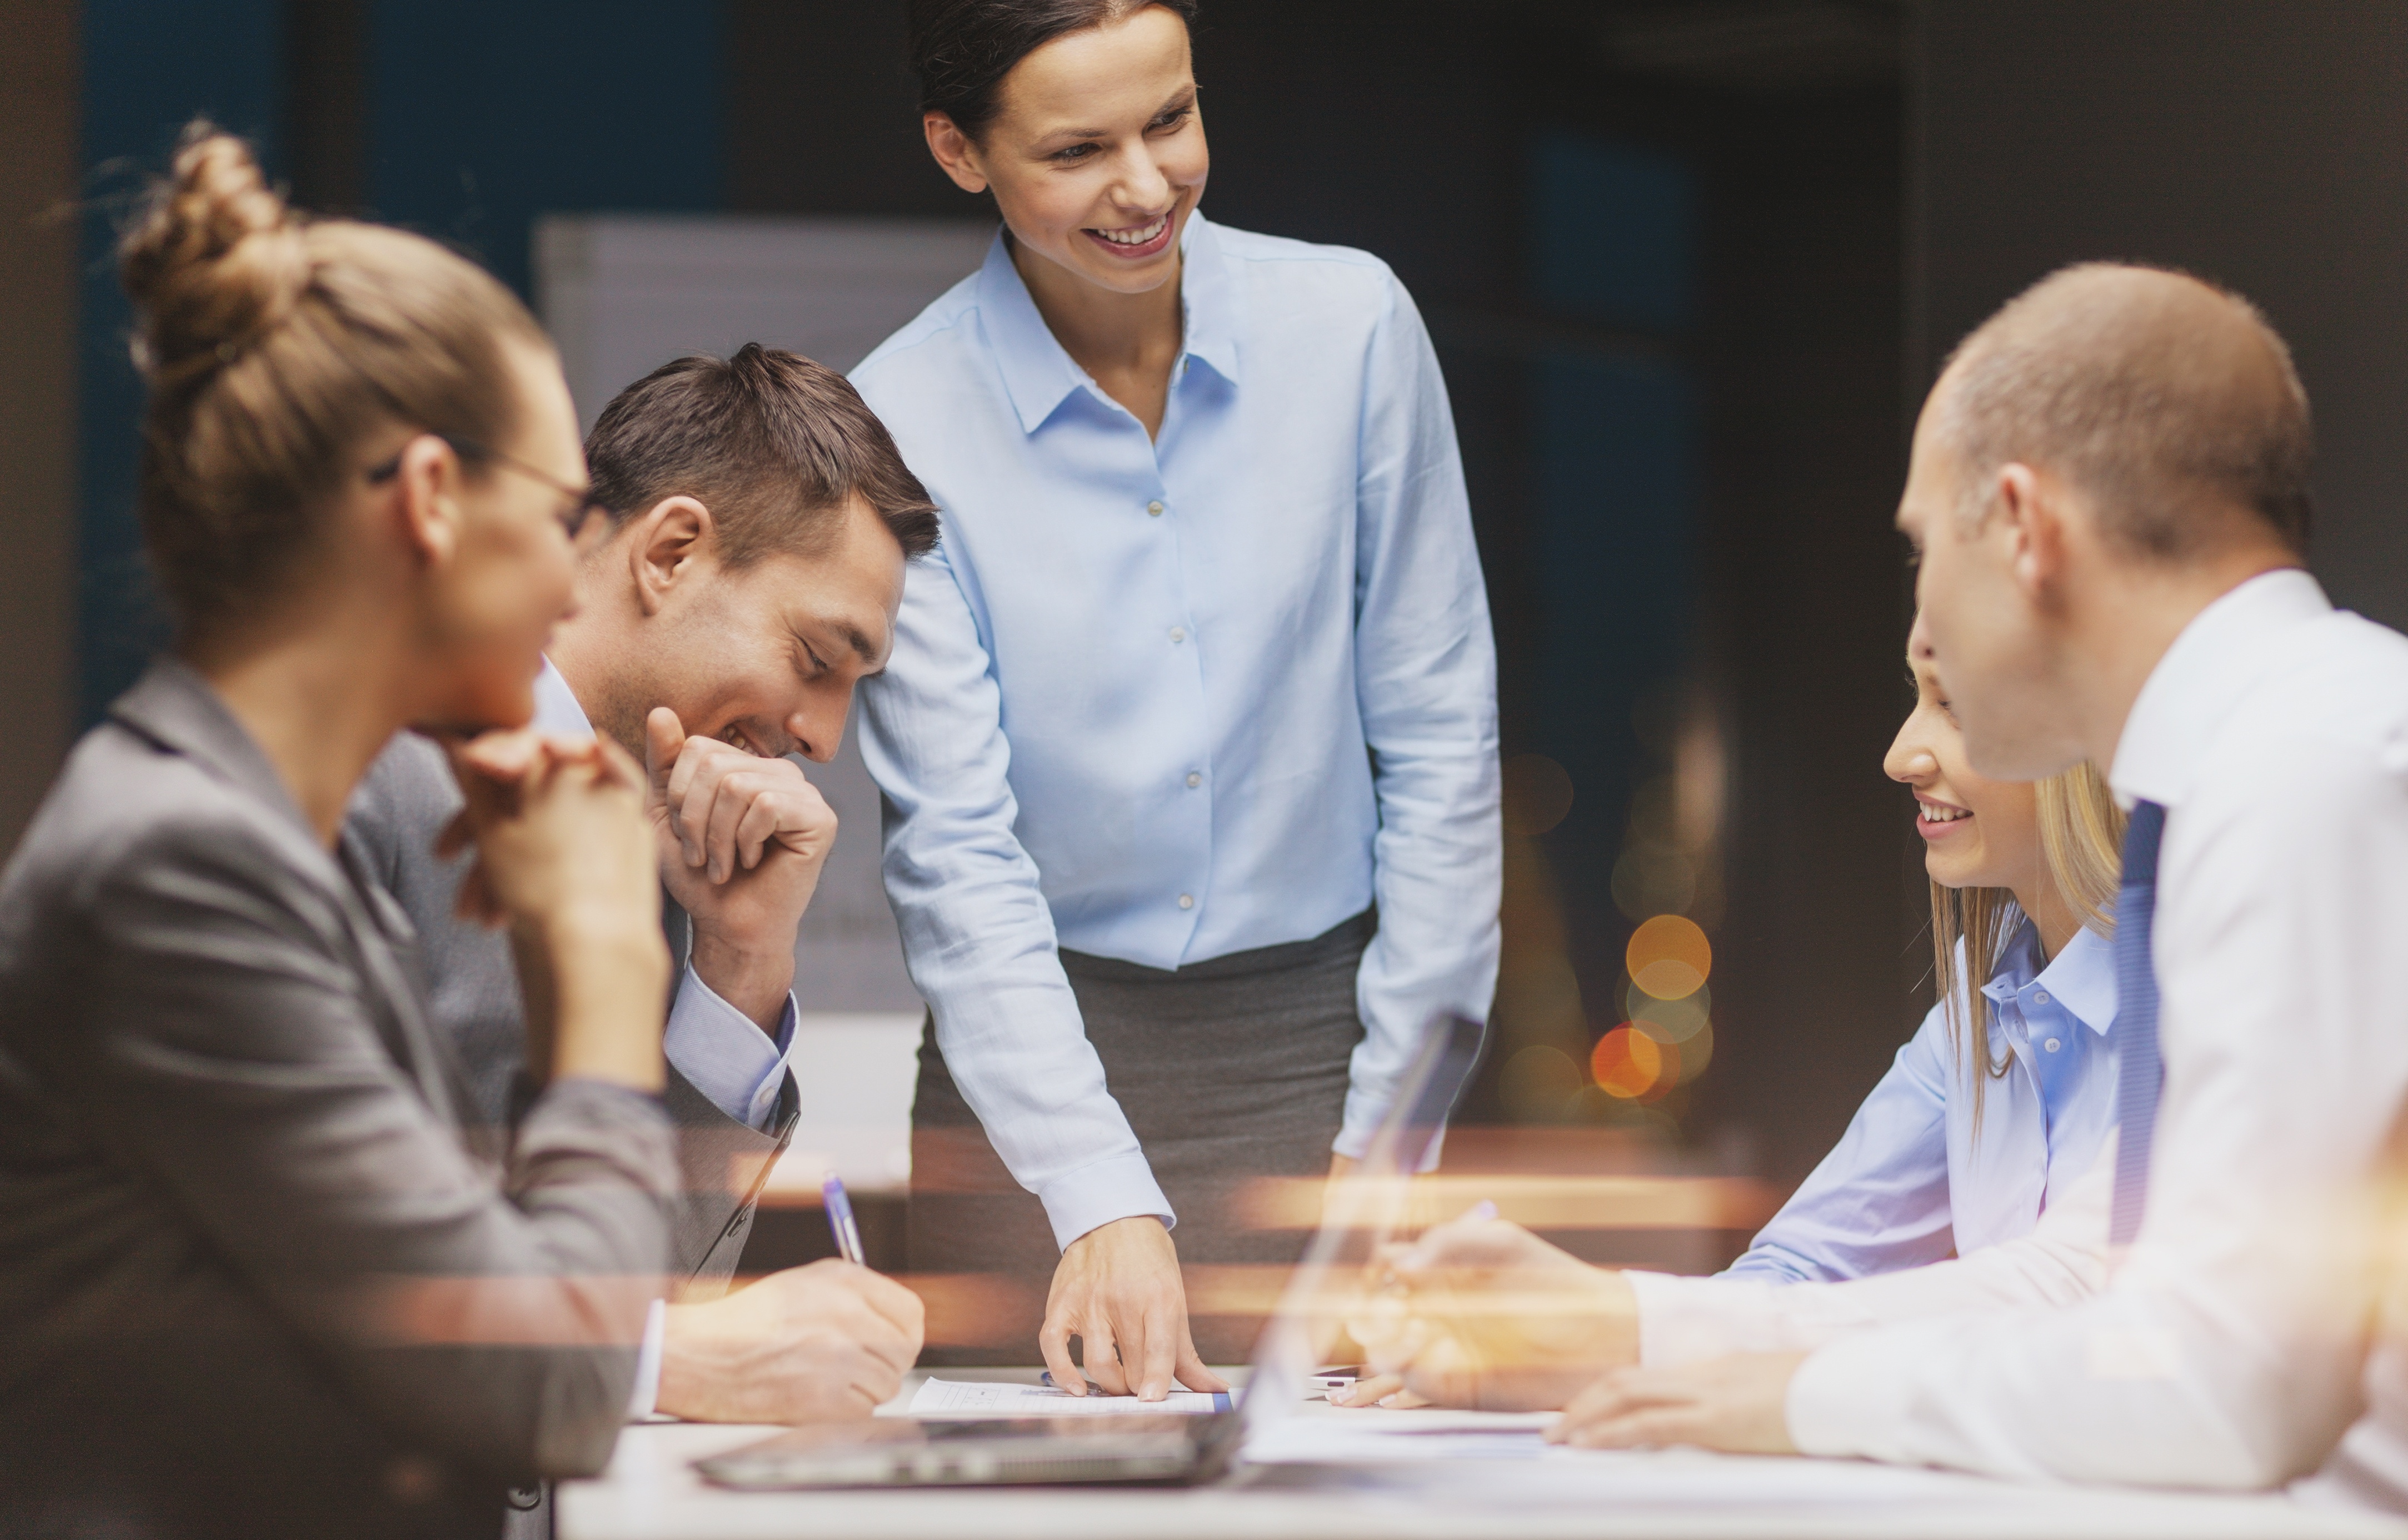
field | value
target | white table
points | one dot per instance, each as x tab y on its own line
650	1492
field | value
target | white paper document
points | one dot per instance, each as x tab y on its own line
978	1398
1371	1436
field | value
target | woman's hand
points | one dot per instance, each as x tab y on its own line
1118	1291
1482	1313
1737	1403
566	859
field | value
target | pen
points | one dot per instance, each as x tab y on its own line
840	1218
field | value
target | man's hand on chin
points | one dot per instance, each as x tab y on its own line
742	839
1118	1291
824	1343
1737	1403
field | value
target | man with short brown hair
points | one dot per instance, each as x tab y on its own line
760	521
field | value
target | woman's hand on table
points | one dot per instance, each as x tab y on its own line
1738	1404
1482	1313
1118	1291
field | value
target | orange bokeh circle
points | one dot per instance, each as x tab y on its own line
1669	957
1629	1064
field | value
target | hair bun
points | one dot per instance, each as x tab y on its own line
214	262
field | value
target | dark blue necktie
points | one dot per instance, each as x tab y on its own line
2139	1072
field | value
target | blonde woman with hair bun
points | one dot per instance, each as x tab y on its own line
253	1278
1990	1115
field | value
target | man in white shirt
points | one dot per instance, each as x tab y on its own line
754	522
2109	493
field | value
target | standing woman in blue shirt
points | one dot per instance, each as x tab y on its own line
1188	744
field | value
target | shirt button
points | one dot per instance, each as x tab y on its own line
1155	508
2040	997
1194	778
2050	1044
1187	900
1177	633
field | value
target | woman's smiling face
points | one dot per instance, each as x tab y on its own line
1977	833
1097	157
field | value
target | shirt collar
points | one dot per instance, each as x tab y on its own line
2081	976
555	706
1038	372
2208	669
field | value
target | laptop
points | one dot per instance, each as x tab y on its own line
1172	1448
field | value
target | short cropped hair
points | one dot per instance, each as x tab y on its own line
771	443
2161	395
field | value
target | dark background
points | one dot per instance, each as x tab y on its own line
1690	266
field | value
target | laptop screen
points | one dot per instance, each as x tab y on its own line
1362	1213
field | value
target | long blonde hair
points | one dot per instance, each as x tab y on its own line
2082	848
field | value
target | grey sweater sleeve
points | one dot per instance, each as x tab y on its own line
472	988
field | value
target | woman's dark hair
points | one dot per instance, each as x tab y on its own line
961	50
772	443
272	345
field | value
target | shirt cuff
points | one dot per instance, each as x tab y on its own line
1851	1396
647	1393
1118	1187
724	1053
1362	1121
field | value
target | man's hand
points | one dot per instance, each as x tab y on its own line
1119	1293
1482	1313
818	1344
742	839
1737	1403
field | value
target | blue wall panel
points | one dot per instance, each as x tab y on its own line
149	67
483	115
1616	445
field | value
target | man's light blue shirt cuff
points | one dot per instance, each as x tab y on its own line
1118	1187
724	1053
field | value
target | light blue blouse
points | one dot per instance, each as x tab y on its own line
1913	1181
1167	698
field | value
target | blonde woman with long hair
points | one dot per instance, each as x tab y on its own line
1991	1113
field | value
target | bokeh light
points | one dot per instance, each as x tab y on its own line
1538	794
1653	879
1538	1082
1669	957
1667	1021
1629	1064
1688	1055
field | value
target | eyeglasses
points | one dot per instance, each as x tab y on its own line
573	518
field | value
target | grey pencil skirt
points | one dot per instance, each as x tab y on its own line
1228	1071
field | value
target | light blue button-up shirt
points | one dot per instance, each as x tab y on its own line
1913	1181
1167	699
721	1053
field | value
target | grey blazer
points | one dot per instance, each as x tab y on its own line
253	1280
401	805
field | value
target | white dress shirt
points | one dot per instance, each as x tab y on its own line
721	1053
1166	699
1918	1176
2225	1349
